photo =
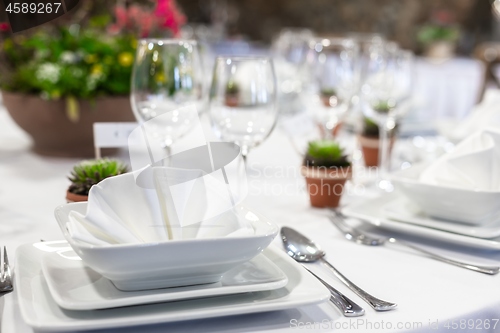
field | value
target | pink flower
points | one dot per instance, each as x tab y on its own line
114	29
169	15
121	16
4	26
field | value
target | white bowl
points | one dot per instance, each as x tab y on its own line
454	204
170	263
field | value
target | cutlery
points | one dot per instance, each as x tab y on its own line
348	307
365	239
342	302
6	285
303	249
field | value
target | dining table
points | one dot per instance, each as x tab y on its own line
431	296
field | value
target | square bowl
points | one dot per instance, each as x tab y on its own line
454	204
171	263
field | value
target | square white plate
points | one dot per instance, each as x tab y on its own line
371	211
401	209
74	286
41	312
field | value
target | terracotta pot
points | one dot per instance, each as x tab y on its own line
232	100
53	133
370	148
325	186
72	197
325	100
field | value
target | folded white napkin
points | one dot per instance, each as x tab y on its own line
474	164
183	204
485	114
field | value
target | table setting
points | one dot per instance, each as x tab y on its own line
243	200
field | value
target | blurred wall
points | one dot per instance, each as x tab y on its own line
396	19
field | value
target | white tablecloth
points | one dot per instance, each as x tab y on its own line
426	291
446	90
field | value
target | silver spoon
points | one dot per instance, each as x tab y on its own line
342	302
303	249
365	239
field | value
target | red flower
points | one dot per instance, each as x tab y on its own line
4	26
443	17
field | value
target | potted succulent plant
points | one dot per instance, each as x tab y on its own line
370	135
326	169
57	81
439	36
326	94
232	94
370	143
90	172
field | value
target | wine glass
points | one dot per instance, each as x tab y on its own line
167	79
242	102
332	64
386	89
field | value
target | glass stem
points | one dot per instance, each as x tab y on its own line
384	150
328	134
168	151
244	154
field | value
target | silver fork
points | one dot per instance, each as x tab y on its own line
6	285
365	239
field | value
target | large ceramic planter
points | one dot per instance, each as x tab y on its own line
440	50
325	185
370	148
53	133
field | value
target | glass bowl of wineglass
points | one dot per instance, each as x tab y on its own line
167	79
242	101
332	71
386	92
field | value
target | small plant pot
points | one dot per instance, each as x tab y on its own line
72	197
370	147
326	185
232	100
326	100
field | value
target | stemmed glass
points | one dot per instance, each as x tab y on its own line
242	101
386	90
332	64
167	77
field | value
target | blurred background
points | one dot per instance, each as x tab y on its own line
454	47
260	20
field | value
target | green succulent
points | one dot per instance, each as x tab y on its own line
325	153
371	129
431	33
383	106
328	92
90	172
232	88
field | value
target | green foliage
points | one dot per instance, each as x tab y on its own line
68	62
433	33
326	153
371	129
383	106
232	88
90	172
328	92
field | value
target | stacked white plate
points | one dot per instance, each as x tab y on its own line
395	212
57	292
